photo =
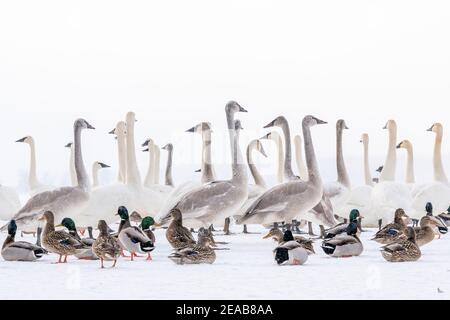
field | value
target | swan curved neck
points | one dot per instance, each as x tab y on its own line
259	181
311	161
95	170
238	167
73	172
169	179
367	174
302	170
289	174
122	153
32	177
439	172
82	177
157	162
150	177
280	161
340	163
410	175
133	176
388	173
208	174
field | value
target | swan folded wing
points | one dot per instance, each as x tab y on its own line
277	199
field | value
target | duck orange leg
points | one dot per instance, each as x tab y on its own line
149	258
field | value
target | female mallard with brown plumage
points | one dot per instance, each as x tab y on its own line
277	235
59	242
426	232
20	250
402	250
132	238
179	236
199	253
393	231
87	254
106	247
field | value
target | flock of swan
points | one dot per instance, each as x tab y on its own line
211	202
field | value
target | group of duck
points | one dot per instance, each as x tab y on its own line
209	202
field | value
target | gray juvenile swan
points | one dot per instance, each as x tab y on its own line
168	176
217	200
63	202
286	201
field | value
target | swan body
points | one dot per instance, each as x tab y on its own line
9	202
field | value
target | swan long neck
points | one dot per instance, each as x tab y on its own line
82	177
388	173
32	177
302	170
95	170
340	163
367	174
208	174
311	161
410	175
439	172
238	167
150	177
157	163
73	172
289	174
259	181
133	176
168	177
122	153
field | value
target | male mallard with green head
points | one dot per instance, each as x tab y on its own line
146	225
20	250
344	245
393	231
402	250
87	254
132	238
59	242
341	228
106	247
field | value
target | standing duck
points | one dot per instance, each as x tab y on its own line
86	254
402	250
290	252
344	245
145	226
393	231
131	238
20	250
426	232
59	242
277	235
445	217
199	253
106	247
179	236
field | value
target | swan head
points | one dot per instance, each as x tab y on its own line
257	145
364	138
100	165
277	122
390	125
310	121
131	117
69	145
168	147
405	144
380	169
120	129
274	136
436	128
233	107
147	223
68	223
12	228
200	128
341	125
27	139
149	143
83	124
122	212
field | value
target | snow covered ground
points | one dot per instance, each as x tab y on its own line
246	271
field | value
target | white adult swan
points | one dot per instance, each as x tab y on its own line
213	202
96	167
276	138
9	202
388	195
149	181
34	185
63	202
295	198
438	191
120	131
168	176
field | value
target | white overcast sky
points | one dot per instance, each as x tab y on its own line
176	63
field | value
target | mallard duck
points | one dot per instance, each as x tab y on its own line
393	231
344	245
277	235
87	254
441	227
341	228
131	238
20	250
290	252
178	236
403	249
59	242
135	217
145	226
445	217
199	253
426	232
106	247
